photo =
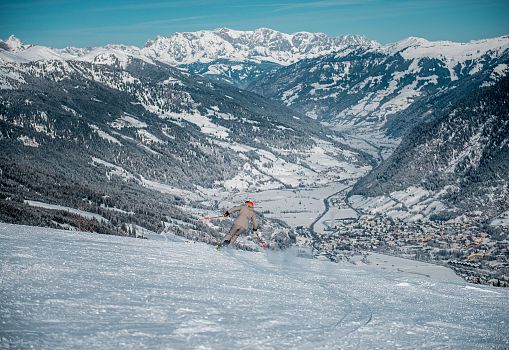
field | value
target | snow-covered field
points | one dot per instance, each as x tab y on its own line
297	207
501	220
63	290
411	204
85	214
333	216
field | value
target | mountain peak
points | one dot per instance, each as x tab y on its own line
12	44
411	41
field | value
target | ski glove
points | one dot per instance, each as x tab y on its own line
226	214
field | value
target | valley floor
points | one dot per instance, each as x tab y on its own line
62	290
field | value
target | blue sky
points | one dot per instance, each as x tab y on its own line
60	23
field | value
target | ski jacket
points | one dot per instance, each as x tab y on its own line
246	214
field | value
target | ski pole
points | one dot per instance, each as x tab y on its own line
211	217
260	242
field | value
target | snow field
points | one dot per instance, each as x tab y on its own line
297	207
501	220
79	290
85	214
411	204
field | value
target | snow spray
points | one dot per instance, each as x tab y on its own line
282	257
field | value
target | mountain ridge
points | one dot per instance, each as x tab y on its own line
305	45
369	87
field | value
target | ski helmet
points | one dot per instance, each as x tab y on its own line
250	204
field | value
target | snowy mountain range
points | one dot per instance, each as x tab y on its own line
227	110
367	87
209	45
346	80
230	55
259	45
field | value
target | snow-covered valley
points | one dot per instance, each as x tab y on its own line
62	290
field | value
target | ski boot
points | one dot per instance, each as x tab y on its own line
222	244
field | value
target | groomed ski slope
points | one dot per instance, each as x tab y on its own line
68	290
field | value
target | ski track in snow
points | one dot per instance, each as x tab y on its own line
294	337
63	290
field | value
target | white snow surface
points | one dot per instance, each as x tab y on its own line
68	290
411	204
115	169
204	123
28	141
297	207
501	220
412	47
85	214
104	135
164	188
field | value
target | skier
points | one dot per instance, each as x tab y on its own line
240	224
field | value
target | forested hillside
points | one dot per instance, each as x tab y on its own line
462	154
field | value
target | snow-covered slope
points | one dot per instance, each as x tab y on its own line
453	54
457	163
113	55
76	290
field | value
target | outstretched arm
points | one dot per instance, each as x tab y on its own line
232	210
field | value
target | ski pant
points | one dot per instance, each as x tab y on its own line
234	233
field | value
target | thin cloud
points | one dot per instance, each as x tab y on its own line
151	5
30	4
140	25
407	4
322	4
308	4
